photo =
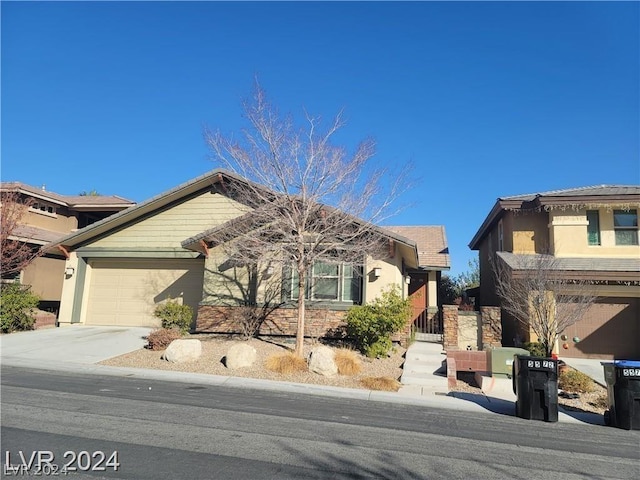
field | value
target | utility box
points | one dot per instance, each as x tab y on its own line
623	394
535	383
500	360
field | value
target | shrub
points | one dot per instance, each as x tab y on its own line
17	305
286	363
575	381
371	325
536	349
601	401
175	315
386	384
161	338
347	362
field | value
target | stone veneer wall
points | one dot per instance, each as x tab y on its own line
282	321
450	325
490	325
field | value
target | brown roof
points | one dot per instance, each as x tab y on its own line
71	201
431	240
595	268
576	198
35	235
591	191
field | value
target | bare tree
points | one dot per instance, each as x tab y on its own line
311	200
16	252
541	295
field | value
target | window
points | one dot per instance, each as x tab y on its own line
500	236
593	228
330	282
43	208
625	225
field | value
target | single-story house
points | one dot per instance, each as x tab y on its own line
119	269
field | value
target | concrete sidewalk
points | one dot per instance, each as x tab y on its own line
79	349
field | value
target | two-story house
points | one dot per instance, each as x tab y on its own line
51	216
592	233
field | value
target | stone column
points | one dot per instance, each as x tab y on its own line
450	325
491	327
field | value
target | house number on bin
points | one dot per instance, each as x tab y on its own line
539	364
631	372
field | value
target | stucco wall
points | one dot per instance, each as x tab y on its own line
569	234
469	331
45	277
63	221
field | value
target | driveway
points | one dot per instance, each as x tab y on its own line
77	344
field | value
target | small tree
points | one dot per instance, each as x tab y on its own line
310	200
447	290
90	193
540	295
16	253
470	278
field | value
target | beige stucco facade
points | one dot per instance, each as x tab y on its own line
568	233
556	223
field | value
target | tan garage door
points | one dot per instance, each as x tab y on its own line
125	292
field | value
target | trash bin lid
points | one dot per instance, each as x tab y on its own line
627	363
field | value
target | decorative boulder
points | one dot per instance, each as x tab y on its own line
322	361
183	350
240	355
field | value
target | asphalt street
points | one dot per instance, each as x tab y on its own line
177	430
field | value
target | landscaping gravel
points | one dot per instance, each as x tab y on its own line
214	349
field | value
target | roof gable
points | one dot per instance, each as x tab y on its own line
253	220
212	180
431	242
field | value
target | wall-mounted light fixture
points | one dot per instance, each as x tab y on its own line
377	272
69	271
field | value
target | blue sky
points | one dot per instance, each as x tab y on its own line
487	99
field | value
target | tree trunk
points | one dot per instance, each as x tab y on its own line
301	304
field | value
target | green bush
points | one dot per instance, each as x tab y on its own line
370	326
17	305
536	349
175	315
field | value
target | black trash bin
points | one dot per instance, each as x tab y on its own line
535	383
623	394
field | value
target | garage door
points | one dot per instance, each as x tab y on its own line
610	329
126	292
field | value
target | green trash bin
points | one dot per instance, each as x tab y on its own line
623	394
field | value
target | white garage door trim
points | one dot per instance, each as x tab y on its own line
125	292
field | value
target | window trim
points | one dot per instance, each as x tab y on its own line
593	229
341	278
626	228
43	208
